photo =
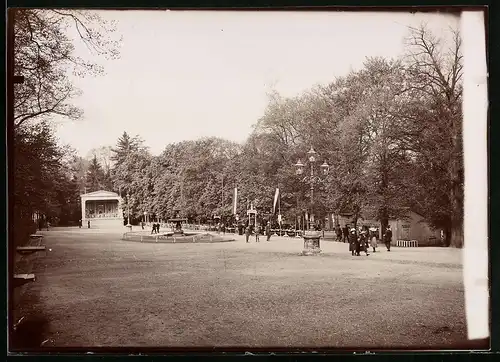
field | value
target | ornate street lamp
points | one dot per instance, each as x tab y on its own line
312	237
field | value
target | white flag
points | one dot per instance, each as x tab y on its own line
235	200
276	194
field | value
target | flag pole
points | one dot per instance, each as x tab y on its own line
279	209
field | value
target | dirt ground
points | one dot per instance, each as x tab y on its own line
95	290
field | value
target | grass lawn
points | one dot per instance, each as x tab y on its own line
93	289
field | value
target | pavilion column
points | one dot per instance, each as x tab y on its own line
83	208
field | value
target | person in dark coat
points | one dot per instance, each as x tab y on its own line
345	232
363	242
338	232
88	224
247	233
353	242
388	237
257	234
268	231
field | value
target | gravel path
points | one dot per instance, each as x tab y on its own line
94	289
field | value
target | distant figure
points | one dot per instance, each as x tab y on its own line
88	224
388	238
247	233
345	232
80	223
153	230
373	238
363	242
338	232
157	227
224	229
257	234
48	225
353	240
142	225
268	231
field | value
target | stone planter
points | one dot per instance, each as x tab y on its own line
311	243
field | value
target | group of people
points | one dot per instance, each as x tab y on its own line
257	230
155	229
80	223
362	239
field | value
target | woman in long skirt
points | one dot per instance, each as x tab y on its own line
373	238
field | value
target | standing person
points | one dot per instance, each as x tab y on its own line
353	240
247	233
388	237
363	242
88	224
80	223
268	230
257	234
338	232
224	229
373	238
142	225
345	232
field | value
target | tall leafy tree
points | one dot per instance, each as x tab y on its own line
435	76
44	52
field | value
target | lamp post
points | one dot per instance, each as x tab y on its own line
128	211
311	236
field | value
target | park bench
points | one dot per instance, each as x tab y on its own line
30	249
36	239
21	279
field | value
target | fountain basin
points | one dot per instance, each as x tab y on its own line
173	237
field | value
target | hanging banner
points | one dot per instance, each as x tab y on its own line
276	194
235	200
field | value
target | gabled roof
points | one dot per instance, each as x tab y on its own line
101	193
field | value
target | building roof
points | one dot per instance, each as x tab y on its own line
100	193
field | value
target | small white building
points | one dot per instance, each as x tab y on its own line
102	208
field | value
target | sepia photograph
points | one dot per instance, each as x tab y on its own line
247	180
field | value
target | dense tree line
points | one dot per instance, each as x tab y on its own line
391	133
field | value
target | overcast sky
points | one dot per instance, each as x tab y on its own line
184	75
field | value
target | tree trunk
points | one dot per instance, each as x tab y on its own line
456	188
